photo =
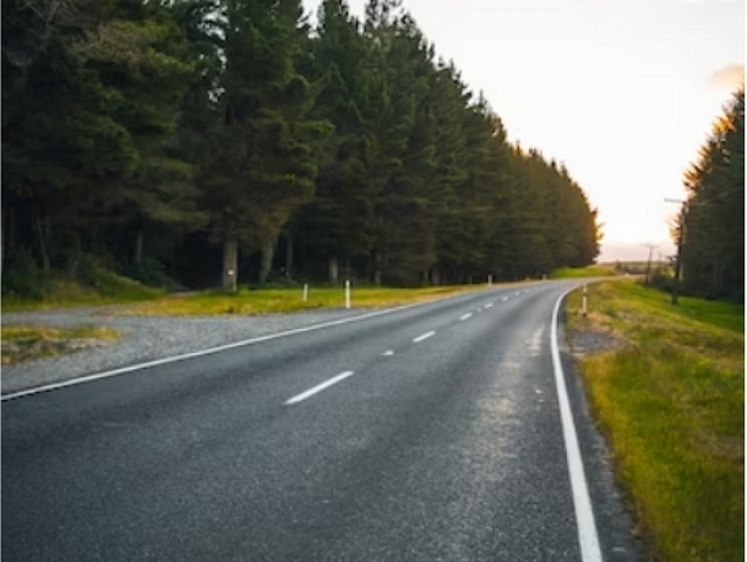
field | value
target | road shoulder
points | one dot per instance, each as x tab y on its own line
614	520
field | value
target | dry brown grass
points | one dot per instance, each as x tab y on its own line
22	343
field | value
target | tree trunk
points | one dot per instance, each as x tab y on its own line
73	261
717	281
348	272
288	254
376	260
139	244
435	277
6	230
334	270
230	263
268	252
46	264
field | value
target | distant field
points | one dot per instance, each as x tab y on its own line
575	272
287	300
671	401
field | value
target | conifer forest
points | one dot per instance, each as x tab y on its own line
210	143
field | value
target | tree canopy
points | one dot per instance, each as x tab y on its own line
713	225
204	135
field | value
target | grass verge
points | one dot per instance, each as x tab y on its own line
575	272
287	300
21	343
671	402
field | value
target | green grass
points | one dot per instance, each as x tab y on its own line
286	300
21	343
575	272
671	402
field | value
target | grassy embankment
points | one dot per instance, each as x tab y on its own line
671	401
21	343
102	287
575	272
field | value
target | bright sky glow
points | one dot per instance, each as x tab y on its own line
623	91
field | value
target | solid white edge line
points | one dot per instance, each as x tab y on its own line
586	526
318	388
465	317
425	336
208	351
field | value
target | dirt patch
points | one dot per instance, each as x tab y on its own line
584	341
14	351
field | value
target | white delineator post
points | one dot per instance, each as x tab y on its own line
347	294
305	292
583	302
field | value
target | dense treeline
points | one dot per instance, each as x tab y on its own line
713	235
182	135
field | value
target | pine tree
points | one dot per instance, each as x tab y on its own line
713	249
91	110
260	164
337	225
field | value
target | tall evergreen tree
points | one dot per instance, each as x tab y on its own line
260	162
337	224
713	248
85	124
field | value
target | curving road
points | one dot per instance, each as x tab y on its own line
428	433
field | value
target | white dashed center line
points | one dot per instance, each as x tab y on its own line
465	316
318	388
388	353
504	299
424	336
489	305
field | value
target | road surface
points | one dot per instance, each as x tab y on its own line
429	433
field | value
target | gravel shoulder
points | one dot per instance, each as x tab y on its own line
144	338
147	338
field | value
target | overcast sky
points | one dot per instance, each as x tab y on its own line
623	91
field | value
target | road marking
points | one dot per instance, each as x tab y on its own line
504	299
209	351
587	529
489	305
425	336
465	317
388	353
318	388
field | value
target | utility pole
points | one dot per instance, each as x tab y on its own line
651	248
678	263
680	241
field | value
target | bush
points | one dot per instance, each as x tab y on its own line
662	279
23	279
23	282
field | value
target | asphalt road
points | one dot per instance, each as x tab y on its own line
430	433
